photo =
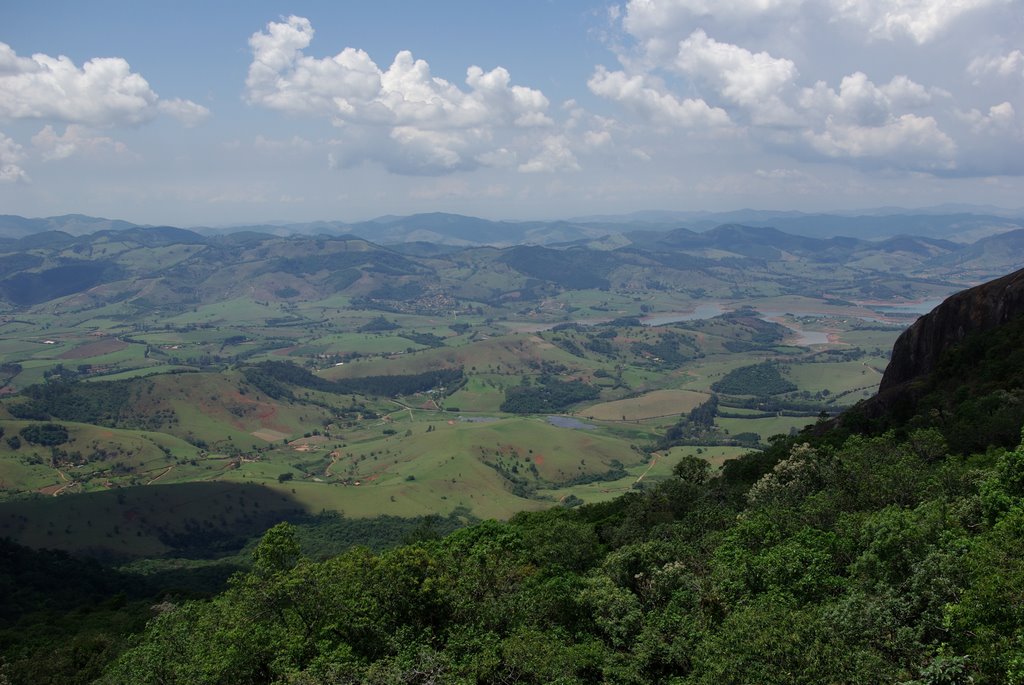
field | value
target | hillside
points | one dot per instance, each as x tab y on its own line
834	556
337	374
134	271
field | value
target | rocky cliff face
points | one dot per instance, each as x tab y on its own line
981	308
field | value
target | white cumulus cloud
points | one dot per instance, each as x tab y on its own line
1000	119
921	20
103	92
659	106
11	155
441	126
1010	64
861	102
350	87
909	140
75	140
756	81
659	24
187	112
555	155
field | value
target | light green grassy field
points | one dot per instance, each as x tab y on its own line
96	455
481	393
424	464
655	404
765	427
837	378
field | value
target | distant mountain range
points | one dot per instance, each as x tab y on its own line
956	223
447	258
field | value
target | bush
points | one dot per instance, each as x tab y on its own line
758	379
46	434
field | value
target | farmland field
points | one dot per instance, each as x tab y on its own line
451	385
656	404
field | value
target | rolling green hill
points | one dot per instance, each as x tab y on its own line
633	409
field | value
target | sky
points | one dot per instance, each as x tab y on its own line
193	114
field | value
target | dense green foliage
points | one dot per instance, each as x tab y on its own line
425	339
757	379
875	561
378	324
46	434
671	349
100	403
574	269
62	619
696	425
273	378
547	394
27	288
330	533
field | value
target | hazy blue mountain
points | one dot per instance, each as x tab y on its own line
642	228
12	226
961	223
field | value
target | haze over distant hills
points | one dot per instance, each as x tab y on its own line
392	261
958	223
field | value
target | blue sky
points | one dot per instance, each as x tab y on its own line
190	114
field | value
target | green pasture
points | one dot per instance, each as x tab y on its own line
871	338
837	378
430	464
701	375
656	404
230	312
361	343
438	490
157	258
95	456
18	348
481	393
413	460
513	355
715	455
646	473
766	427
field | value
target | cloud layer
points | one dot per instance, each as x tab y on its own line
745	60
616	106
